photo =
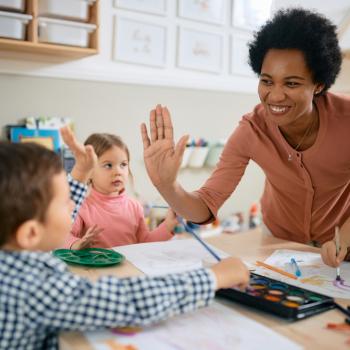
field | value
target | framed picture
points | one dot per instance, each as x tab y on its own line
211	11
47	138
250	14
156	7
139	42
239	55
199	50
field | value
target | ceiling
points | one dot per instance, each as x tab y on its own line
338	11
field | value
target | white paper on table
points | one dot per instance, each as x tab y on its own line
159	258
216	327
315	275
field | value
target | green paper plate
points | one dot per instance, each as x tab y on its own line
95	257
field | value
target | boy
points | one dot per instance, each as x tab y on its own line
39	297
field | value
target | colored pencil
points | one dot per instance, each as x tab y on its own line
276	269
296	266
337	248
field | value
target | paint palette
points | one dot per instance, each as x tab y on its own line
279	298
94	257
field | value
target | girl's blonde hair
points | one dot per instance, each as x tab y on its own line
102	142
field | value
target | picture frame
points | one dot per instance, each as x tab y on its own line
155	7
50	138
199	50
239	55
250	14
210	11
139	42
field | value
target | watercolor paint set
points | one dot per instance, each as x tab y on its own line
279	298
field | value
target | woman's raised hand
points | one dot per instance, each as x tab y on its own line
162	157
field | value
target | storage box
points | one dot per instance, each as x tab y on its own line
58	31
13	25
198	156
13	5
68	9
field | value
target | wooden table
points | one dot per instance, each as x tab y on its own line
311	333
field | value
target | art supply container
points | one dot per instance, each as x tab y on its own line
13	25
66	9
58	31
214	155
13	5
279	298
198	156
186	156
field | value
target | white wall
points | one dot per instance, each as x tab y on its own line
118	108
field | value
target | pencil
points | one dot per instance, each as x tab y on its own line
276	269
337	248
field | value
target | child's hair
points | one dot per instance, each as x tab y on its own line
102	142
26	172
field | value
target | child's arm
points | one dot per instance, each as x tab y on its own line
162	233
64	301
85	156
85	160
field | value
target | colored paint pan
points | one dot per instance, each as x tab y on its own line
276	292
290	304
279	286
295	299
273	298
279	298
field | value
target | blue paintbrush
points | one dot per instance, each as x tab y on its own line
196	236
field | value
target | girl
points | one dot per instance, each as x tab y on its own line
109	217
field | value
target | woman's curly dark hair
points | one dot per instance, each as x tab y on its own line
307	31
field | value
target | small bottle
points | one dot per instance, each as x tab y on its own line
254	219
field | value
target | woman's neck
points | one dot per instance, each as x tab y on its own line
302	133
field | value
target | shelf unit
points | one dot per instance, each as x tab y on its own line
32	45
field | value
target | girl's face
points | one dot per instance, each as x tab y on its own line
286	88
111	172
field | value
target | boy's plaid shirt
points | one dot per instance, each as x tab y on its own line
39	297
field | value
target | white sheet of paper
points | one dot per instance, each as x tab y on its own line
159	258
315	275
216	327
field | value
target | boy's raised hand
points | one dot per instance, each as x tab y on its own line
162	157
85	156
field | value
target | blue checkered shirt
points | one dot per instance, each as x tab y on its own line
39	297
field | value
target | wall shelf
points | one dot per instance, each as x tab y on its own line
32	44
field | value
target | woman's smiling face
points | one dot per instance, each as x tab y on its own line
286	86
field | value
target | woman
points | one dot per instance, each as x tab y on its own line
298	135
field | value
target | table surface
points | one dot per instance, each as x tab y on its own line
253	245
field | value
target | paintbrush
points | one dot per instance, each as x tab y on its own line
337	248
196	236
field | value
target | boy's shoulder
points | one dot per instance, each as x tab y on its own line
29	262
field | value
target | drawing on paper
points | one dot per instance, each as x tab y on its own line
316	276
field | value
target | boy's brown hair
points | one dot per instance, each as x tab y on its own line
26	172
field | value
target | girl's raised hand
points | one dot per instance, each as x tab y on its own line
85	156
162	157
